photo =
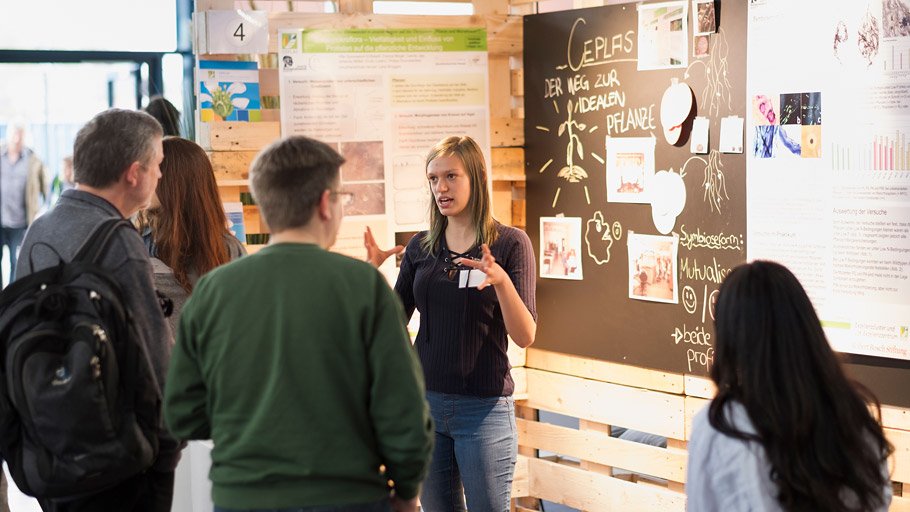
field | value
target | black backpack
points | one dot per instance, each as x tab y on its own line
79	402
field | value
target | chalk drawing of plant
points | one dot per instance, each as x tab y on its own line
223	101
571	172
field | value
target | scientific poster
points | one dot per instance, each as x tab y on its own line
829	161
383	98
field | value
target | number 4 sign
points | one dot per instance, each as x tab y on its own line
234	31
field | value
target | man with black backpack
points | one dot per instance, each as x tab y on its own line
80	413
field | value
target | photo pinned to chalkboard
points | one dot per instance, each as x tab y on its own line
652	267
663	35
630	167
560	248
705	17
701	46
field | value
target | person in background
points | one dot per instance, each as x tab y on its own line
462	340
62	181
185	228
166	114
116	159
296	362
787	430
23	190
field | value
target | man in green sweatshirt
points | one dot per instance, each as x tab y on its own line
296	362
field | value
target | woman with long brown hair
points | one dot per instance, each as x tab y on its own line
186	226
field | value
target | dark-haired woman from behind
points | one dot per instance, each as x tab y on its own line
186	228
787	430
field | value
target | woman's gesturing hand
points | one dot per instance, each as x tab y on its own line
375	255
486	264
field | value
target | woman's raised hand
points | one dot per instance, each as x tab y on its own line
375	255
486	264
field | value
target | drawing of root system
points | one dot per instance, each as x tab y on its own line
718	90
572	172
715	183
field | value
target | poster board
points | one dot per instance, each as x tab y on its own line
660	225
589	57
383	98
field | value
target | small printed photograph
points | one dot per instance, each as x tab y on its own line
402	238
706	19
676	25
363	161
811	141
630	167
287	61
895	14
560	248
652	268
369	199
790	108
289	40
810	107
701	46
764	110
774	141
663	35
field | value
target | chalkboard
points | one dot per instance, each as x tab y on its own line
584	82
585	60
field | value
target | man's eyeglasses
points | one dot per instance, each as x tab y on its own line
346	198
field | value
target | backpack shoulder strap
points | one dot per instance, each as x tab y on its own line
94	247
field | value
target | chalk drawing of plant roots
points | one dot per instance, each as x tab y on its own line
572	172
718	90
715	183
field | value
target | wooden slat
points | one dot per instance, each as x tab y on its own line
353	6
605	371
508	164
228	136
521	481
517	82
701	387
693	405
520	378
268	82
230	193
491	6
599	447
517	355
899	505
506	131
586	463
502	201
232	165
649	411
896	417
214	5
586	490
500	86
901	457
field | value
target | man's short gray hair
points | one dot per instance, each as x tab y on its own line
288	178
108	144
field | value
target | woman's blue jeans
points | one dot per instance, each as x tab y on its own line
474	456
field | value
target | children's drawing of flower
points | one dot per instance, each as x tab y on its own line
223	102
